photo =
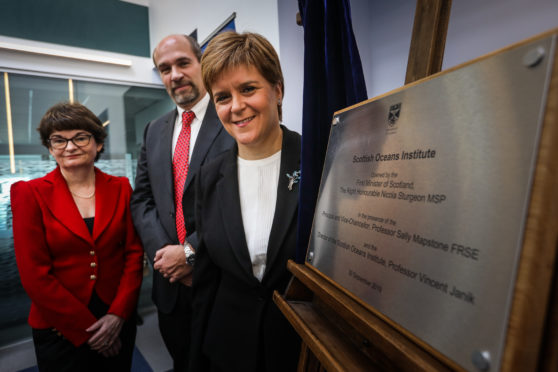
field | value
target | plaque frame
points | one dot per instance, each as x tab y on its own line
325	314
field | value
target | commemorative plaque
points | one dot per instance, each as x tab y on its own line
424	198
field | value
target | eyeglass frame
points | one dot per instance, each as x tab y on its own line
71	139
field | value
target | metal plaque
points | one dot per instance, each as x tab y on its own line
424	197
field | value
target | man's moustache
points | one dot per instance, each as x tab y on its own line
181	85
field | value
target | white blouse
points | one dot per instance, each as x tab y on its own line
257	182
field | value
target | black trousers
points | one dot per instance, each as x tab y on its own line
56	354
176	328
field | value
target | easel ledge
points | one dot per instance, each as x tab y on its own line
342	332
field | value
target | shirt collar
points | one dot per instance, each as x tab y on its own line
198	109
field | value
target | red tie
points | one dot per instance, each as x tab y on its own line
180	171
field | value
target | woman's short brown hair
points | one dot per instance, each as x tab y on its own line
70	116
230	49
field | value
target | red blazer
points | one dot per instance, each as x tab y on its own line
60	262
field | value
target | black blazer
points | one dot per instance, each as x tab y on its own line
152	201
235	321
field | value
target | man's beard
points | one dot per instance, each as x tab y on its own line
187	98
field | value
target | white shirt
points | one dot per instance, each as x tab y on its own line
199	110
257	183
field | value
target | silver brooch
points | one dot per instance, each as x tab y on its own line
293	178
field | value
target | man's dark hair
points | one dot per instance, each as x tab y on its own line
193	44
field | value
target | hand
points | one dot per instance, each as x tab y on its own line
105	332
113	349
170	261
186	280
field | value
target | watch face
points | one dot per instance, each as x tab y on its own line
191	259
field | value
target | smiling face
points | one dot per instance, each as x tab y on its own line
72	156
180	71
246	104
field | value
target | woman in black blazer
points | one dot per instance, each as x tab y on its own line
246	215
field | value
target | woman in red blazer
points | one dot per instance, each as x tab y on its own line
79	258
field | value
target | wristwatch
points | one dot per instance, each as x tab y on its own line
190	254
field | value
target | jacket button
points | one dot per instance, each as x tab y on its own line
93	264
92	253
93	277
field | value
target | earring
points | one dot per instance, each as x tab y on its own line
279	102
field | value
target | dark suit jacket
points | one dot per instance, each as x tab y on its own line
234	319
60	262
152	203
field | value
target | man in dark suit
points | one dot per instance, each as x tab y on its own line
157	200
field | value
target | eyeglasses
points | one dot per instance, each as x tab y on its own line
60	143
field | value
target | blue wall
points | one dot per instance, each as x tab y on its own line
109	25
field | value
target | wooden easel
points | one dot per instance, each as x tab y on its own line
340	333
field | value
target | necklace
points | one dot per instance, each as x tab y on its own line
84	196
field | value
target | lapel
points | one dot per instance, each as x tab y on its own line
285	209
227	191
163	158
210	128
107	194
287	200
56	196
